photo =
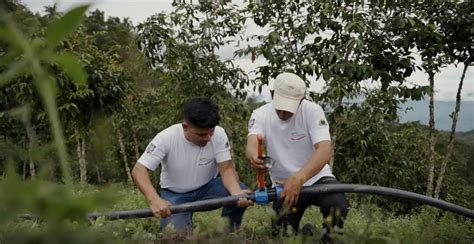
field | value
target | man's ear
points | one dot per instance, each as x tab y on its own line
185	125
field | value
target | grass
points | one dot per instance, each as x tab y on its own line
365	224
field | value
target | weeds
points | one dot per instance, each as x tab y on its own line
365	224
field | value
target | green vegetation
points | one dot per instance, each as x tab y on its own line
79	101
366	223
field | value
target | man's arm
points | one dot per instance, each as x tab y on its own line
251	152
231	181
230	177
318	159
159	206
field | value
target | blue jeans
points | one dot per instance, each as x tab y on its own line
213	189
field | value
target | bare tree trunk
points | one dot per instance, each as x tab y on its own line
23	177
135	145
32	143
429	186
124	155
97	170
78	148
452	136
81	153
333	149
32	168
84	162
334	136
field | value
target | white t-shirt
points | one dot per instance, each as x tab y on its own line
290	143
184	165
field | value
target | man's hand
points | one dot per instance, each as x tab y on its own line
243	202
258	164
251	153
291	189
160	207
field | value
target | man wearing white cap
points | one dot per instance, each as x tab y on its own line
296	136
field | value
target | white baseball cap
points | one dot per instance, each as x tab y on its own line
289	89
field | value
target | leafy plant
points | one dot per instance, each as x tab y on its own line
29	56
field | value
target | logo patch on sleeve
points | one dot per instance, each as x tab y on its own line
251	123
227	145
150	148
323	122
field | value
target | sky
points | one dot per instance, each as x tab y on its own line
446	82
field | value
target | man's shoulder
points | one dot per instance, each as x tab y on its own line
173	128
309	105
219	137
264	108
169	131
219	129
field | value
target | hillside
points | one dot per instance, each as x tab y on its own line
418	111
466	137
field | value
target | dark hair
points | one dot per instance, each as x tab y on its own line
201	112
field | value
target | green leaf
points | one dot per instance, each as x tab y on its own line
10	57
59	29
48	89
21	111
411	21
71	66
8	35
274	37
12	71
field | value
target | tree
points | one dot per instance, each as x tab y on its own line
52	13
108	84
459	50
437	35
182	48
425	35
115	38
78	104
350	44
347	44
33	57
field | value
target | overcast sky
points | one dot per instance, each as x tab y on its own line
138	10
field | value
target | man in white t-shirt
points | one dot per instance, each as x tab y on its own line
196	164
296	136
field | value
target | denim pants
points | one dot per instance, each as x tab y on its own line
213	189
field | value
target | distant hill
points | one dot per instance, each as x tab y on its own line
466	137
420	112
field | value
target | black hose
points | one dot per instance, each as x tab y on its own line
391	192
197	206
206	205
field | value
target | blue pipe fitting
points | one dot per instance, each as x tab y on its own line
278	190
261	196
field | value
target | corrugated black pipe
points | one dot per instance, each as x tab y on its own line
206	205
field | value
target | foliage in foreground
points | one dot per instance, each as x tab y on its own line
108	120
56	203
366	223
